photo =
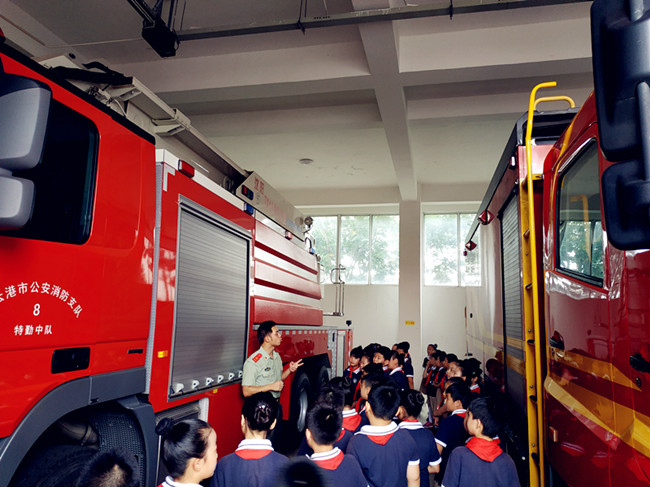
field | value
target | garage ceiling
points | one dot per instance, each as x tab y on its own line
389	111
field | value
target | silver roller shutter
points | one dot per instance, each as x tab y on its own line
512	287
212	299
512	315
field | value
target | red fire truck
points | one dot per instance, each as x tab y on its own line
562	321
136	261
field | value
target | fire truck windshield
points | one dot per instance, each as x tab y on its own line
64	180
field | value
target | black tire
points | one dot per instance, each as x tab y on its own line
55	466
322	377
301	400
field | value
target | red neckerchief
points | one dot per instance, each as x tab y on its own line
396	370
253	449
357	389
252	454
486	450
476	389
352	371
341	435
379	434
440	371
359	408
330	460
352	420
381	439
428	379
429	376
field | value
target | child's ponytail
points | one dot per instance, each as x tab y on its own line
182	441
412	402
260	411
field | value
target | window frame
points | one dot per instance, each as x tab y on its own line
565	169
460	248
339	225
340	247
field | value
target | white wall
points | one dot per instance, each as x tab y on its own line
438	312
443	318
374	311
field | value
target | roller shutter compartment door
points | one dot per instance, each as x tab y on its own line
212	300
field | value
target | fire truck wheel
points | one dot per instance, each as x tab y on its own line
322	378
54	466
300	402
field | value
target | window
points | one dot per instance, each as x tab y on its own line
384	268
580	232
355	248
470	264
367	246
64	180
324	232
444	262
441	250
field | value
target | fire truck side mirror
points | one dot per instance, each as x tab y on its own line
626	204
620	32
620	36
25	105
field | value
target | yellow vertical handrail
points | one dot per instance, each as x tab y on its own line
537	472
536	477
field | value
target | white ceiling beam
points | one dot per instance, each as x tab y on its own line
380	42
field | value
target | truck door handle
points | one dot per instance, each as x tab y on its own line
556	342
639	363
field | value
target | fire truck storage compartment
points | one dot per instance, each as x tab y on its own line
212	296
513	326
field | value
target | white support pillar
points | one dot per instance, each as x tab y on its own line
410	281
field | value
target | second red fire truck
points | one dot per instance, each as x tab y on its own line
562	321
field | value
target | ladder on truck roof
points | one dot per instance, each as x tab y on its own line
173	131
531	289
171	126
